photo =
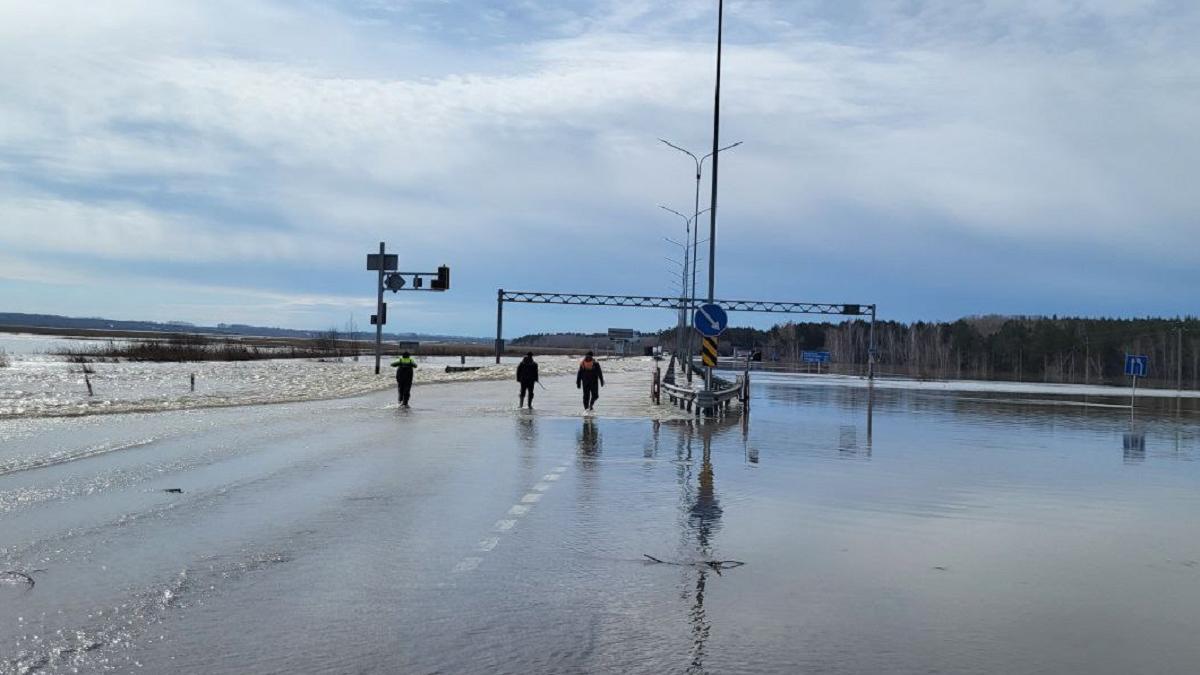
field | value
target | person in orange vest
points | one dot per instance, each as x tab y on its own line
589	378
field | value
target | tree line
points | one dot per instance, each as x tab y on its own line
1017	348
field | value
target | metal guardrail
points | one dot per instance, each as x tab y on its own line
695	398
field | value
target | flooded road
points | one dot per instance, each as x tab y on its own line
942	532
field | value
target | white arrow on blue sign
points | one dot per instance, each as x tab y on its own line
1137	365
710	320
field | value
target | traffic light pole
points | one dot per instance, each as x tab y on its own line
391	280
379	310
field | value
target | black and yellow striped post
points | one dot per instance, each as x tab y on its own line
708	351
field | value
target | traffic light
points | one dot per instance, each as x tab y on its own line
375	317
442	282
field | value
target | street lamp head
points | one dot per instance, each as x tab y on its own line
672	145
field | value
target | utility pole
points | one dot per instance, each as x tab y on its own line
716	155
712	214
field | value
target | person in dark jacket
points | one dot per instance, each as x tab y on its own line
589	378
404	376
527	375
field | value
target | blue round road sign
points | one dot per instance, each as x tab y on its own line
710	320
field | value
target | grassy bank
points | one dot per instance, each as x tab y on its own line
180	348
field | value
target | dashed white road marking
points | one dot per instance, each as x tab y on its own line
467	564
487	544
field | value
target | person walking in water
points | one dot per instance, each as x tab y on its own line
527	375
404	376
589	378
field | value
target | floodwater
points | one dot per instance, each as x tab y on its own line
38	383
904	531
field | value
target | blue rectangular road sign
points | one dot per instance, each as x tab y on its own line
1137	365
814	357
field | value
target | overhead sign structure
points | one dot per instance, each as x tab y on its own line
1137	365
708	351
710	320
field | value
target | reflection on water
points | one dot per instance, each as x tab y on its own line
976	533
588	439
1133	445
700	516
704	514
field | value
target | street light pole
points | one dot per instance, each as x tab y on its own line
681	330
684	343
695	220
699	162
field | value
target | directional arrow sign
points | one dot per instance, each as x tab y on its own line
710	320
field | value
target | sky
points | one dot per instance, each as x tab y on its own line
233	161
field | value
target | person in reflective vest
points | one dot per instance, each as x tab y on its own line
404	376
527	375
589	378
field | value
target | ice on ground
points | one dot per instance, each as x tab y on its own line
37	385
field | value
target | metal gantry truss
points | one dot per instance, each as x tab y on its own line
663	302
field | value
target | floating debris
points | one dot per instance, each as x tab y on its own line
177	491
714	565
16	578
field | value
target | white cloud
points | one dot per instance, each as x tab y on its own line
257	131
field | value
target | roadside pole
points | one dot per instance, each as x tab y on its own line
712	214
1132	397
1136	365
499	324
379	310
871	348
